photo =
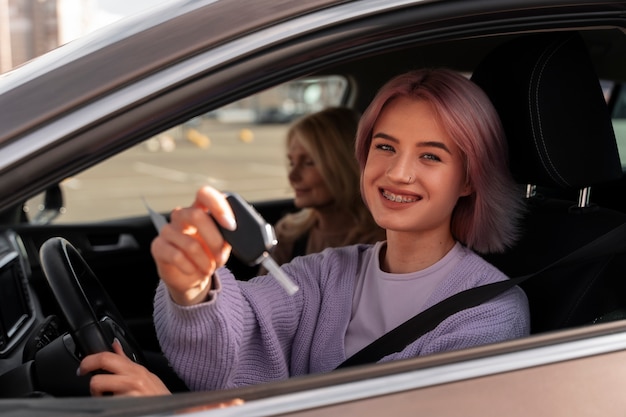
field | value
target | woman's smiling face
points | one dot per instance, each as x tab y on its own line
414	172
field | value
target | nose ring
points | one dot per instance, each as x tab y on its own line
409	181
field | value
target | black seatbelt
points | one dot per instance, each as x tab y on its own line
406	333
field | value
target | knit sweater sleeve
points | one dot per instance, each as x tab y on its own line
253	331
208	344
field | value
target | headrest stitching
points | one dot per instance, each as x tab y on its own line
545	155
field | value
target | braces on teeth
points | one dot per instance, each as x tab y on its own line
398	198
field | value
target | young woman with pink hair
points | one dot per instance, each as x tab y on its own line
433	174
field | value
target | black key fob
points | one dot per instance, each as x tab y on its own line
254	237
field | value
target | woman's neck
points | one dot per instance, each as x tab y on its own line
406	252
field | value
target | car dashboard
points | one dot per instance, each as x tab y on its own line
17	303
23	328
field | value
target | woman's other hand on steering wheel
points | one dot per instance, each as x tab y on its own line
121	377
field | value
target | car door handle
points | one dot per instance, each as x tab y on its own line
125	241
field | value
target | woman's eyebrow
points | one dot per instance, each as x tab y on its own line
435	144
424	144
383	135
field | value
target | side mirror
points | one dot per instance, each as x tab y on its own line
51	207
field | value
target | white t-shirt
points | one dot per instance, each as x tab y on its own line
383	301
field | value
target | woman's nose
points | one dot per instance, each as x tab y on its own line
401	170
294	174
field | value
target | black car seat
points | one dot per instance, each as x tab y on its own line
561	145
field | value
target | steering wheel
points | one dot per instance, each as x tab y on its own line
92	317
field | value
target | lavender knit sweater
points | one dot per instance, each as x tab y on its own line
252	332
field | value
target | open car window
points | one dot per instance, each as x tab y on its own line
239	147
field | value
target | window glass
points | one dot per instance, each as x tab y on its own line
240	147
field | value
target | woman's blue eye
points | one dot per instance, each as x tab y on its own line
431	157
384	147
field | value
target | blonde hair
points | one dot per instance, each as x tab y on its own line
329	137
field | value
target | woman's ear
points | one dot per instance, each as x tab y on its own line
467	189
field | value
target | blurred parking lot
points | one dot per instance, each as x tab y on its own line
249	159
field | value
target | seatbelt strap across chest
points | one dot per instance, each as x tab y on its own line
406	333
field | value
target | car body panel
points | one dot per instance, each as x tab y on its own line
539	375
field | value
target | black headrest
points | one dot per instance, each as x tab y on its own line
551	104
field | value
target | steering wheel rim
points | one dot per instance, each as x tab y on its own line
93	319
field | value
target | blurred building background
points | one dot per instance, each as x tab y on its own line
29	28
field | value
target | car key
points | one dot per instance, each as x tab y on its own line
158	220
253	239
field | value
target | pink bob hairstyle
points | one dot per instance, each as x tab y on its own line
486	220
